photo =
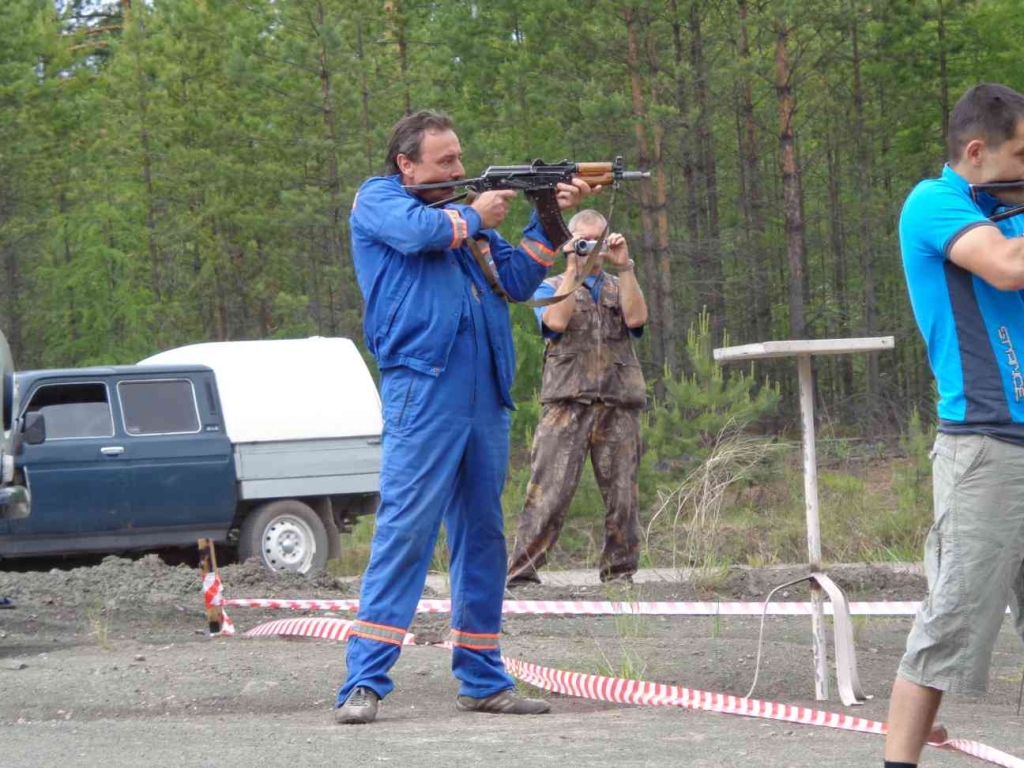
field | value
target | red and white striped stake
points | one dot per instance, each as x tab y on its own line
213	594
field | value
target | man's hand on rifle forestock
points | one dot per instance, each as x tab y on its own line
493	206
569	195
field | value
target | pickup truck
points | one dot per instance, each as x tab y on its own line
269	446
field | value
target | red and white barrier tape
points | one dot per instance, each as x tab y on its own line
602	607
622	691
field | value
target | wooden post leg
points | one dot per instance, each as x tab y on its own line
208	564
813	526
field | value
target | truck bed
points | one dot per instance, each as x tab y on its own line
320	467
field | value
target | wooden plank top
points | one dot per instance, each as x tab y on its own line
767	349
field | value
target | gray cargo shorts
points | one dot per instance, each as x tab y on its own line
972	559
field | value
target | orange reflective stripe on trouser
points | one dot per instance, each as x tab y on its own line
538	252
474	640
460	230
380	632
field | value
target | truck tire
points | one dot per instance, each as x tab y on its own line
285	535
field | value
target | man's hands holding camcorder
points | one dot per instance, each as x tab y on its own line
618	251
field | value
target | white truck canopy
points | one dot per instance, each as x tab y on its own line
289	389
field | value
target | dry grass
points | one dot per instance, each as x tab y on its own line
690	515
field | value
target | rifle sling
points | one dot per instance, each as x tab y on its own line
492	279
592	260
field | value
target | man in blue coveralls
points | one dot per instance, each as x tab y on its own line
965	275
443	342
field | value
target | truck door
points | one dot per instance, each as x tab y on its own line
182	468
77	477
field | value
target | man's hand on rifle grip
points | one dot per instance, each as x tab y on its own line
493	206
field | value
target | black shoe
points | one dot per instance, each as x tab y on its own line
523	581
359	708
507	702
617	578
6	602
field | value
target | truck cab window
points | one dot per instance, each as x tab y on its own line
73	410
159	407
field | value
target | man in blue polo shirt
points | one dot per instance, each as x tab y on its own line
965	274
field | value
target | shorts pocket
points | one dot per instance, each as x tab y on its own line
970	455
964	454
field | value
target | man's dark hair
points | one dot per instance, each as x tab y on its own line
407	135
987	111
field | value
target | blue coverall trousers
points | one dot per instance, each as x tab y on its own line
445	454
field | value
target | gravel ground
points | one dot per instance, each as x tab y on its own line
108	665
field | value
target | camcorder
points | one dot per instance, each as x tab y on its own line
587	247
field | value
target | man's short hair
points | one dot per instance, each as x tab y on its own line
587	216
988	111
407	135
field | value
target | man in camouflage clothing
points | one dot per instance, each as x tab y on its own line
592	394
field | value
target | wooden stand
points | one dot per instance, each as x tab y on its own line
846	661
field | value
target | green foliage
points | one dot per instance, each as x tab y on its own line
696	409
913	480
902	532
180	171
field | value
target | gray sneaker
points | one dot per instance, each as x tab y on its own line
359	708
507	702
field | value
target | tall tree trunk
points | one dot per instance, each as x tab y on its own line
395	32
943	71
147	164
71	312
364	101
714	281
693	249
790	184
265	299
666	304
862	179
643	150
756	240
840	272
331	248
10	302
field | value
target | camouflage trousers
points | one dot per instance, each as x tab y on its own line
566	433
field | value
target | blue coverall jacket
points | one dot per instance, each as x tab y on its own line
410	263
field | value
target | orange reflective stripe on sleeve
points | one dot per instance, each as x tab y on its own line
537	251
543	248
460	229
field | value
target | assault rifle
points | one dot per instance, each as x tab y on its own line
1009	194
539	182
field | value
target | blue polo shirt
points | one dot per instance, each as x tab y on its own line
594	283
973	331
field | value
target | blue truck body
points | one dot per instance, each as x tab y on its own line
139	457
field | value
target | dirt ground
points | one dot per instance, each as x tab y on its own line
109	665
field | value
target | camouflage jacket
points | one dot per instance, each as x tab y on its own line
593	360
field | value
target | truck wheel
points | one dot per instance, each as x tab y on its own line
285	536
